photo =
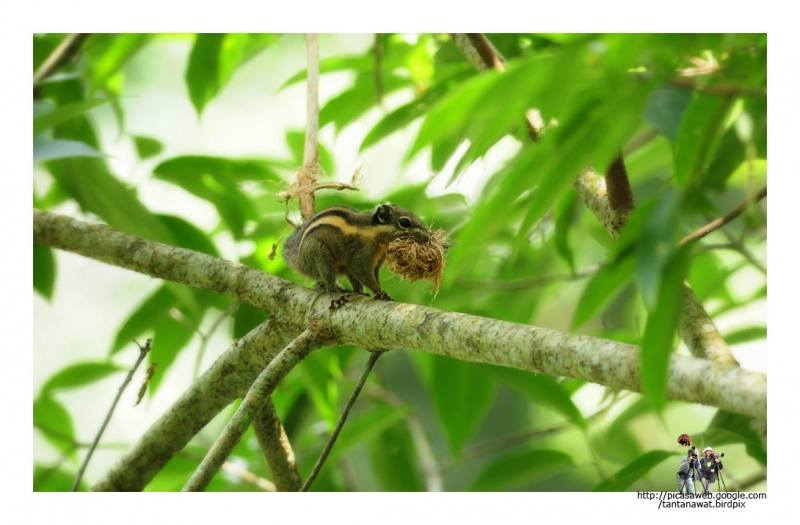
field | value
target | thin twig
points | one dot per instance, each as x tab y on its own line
143	350
487	54
373	358
725	219
305	178
61	55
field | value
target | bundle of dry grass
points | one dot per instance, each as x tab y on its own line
414	261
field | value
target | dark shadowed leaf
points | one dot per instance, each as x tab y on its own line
518	469
44	270
55	423
631	473
542	390
462	394
659	334
394	460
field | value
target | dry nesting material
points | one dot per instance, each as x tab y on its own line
414	261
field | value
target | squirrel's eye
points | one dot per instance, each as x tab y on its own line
405	223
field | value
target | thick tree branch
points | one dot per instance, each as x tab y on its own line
386	325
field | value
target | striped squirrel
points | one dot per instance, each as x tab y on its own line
343	241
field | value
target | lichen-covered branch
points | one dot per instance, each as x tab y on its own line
276	449
258	394
381	325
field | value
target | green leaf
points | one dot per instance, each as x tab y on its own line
745	335
53	419
80	374
518	469
665	108
44	270
44	150
173	476
462	395
169	338
603	288
617	442
697	136
364	428
51	479
636	469
332	65
217	180
147	147
63	114
729	428
657	245
213	60
149	314
296	140
321	376
659	334
346	107
542	390
394	460
188	235
564	213
239	170
108	53
734	144
202	71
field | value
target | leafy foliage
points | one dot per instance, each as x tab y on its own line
526	249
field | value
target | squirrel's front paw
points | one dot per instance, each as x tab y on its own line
383	296
337	300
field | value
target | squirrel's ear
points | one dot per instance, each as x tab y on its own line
382	214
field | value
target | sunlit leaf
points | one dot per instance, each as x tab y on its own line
108	53
80	374
147	147
746	335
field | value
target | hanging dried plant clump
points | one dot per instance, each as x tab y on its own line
414	261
